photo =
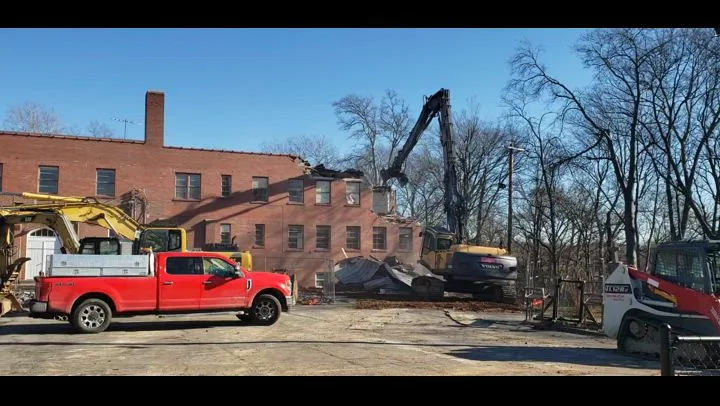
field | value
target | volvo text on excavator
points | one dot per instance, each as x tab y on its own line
483	271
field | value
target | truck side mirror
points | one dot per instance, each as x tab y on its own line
238	273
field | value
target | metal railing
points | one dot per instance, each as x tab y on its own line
688	355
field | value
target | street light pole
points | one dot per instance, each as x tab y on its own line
511	164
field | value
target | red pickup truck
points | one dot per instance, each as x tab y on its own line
176	283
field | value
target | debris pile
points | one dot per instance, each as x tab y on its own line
312	296
384	277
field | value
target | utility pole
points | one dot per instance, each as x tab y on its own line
511	164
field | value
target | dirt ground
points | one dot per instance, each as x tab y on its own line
449	304
313	340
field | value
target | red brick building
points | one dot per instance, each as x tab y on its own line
287	214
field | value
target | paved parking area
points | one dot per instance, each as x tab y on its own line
312	340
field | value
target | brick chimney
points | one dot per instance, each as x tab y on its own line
154	118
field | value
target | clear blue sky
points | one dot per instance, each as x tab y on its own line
235	88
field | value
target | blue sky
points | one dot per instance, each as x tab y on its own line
236	88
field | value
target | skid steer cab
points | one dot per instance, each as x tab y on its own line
681	289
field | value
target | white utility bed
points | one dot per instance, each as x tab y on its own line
98	265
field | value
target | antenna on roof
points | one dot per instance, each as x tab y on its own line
126	121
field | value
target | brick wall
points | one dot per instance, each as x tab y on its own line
152	167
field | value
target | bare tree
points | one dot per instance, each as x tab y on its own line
482	165
608	115
315	149
33	117
682	117
379	130
422	197
359	116
100	130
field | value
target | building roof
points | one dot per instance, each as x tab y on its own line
125	141
318	170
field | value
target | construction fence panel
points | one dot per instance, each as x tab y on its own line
576	301
688	355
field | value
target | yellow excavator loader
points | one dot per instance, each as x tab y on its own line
11	263
59	216
482	271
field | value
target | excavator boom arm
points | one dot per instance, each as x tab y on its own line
454	203
50	218
85	210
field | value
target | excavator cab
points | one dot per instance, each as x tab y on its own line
436	245
161	240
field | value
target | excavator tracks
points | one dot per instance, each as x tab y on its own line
640	338
505	293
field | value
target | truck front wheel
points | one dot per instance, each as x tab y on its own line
91	316
265	310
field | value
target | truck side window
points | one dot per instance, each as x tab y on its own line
184	266
218	267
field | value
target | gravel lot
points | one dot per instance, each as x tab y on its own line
313	340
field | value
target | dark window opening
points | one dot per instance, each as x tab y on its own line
352	237
296	190
225	233
260	235
260	189
187	186
379	238
322	238
295	237
105	182
225	187
48	180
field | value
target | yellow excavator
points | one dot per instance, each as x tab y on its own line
485	272
59	214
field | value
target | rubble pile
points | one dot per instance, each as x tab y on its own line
312	296
388	276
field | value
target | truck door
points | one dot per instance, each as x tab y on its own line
221	289
181	283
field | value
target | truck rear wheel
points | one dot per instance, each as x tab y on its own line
265	310
91	316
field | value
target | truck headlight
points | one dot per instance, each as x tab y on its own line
288	283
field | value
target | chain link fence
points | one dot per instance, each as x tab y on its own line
313	277
688	355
